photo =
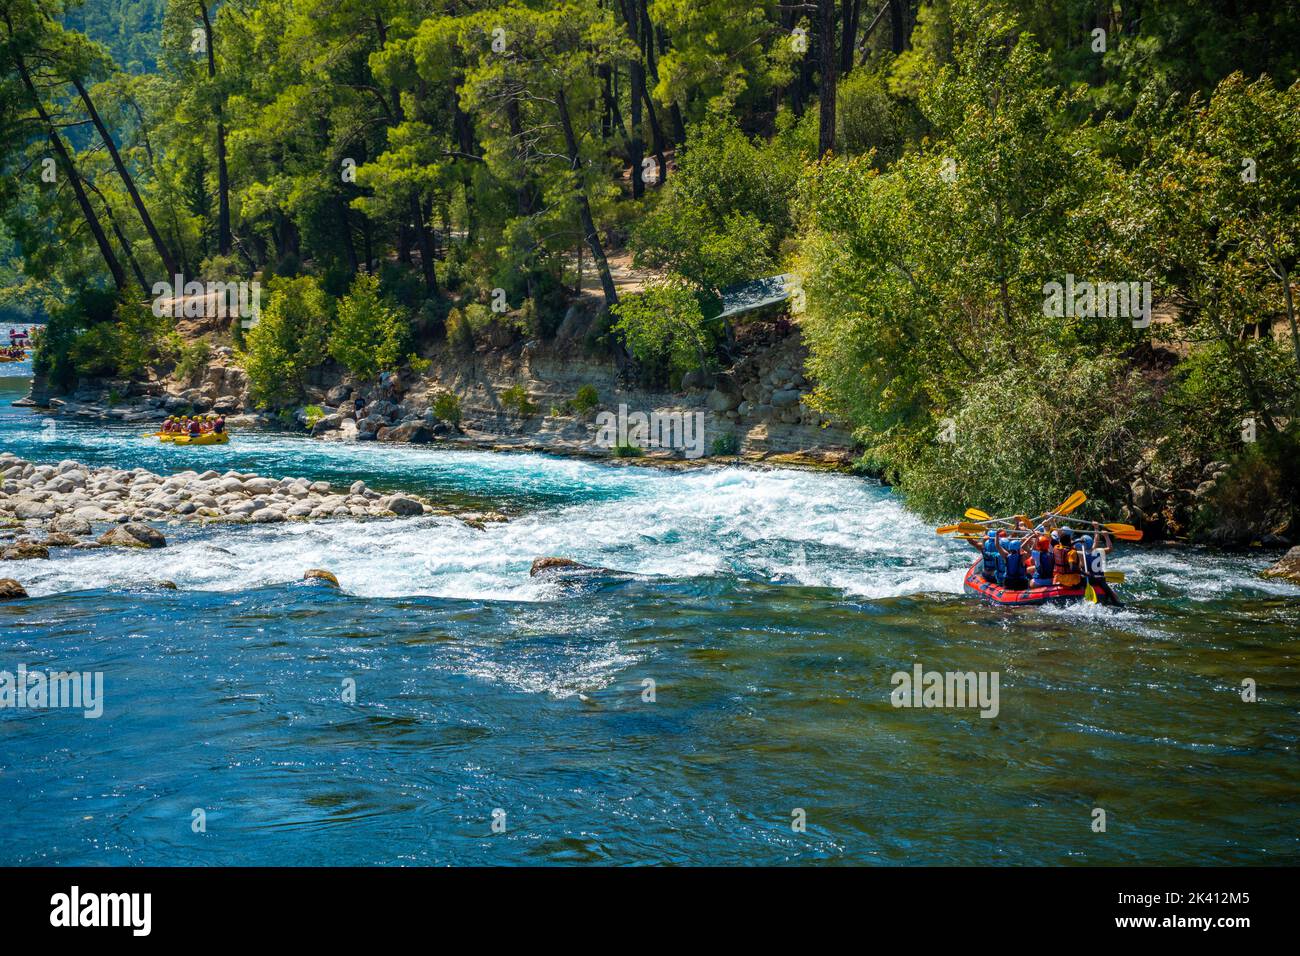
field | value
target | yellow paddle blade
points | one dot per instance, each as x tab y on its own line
976	515
1090	594
1114	577
946	529
965	527
1134	535
1118	527
1071	503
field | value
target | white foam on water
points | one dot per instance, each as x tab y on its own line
789	526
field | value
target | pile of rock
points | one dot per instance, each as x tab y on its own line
380	420
68	500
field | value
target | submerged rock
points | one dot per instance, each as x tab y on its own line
11	590
568	568
322	576
133	534
25	551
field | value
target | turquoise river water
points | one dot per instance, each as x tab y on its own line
770	610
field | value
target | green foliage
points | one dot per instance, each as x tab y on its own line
869	118
627	451
460	332
726	211
1258	497
95	336
313	414
585	400
665	322
726	445
369	334
515	400
446	406
193	357
290	338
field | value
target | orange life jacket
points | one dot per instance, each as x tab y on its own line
1066	567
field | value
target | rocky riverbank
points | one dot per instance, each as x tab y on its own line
72	505
517	397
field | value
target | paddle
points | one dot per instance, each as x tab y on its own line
1114	577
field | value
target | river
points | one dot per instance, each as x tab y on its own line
772	610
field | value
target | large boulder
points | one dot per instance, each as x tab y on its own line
417	433
1288	568
11	590
327	423
405	507
25	551
321	576
723	401
70	524
133	534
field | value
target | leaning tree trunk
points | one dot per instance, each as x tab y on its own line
87	211
584	206
168	260
223	175
123	243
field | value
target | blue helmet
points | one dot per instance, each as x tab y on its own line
1087	540
1013	545
991	533
1040	529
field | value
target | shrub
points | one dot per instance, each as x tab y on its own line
586	399
726	445
460	334
665	323
627	451
313	414
869	118
289	339
447	407
515	399
193	358
369	334
221	268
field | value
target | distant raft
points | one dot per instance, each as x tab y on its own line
210	438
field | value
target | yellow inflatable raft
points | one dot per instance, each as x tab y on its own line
211	438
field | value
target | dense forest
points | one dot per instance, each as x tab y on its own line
390	169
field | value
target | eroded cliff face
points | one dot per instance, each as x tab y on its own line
518	394
756	410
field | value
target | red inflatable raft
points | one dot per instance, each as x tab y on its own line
975	584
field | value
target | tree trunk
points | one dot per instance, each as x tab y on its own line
426	247
168	260
850	10
223	175
636	76
123	243
584	206
898	27
827	58
349	248
1290	314
96	230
